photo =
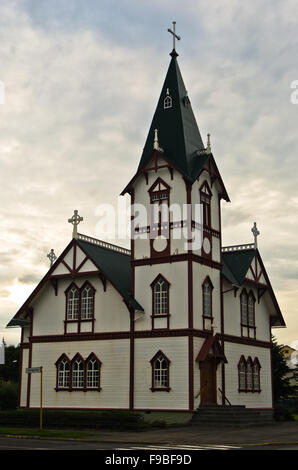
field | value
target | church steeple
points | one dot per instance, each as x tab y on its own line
178	133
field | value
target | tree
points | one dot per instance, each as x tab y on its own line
9	372
282	387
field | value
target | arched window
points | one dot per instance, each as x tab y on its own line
205	196
247	307
79	308
249	375
244	307
73	303
160	296
251	309
159	199
160	372
207	288
77	372
256	376
242	374
92	369
168	102
63	372
87	302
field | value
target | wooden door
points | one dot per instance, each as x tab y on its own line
208	381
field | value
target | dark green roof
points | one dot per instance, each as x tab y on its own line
178	133
236	265
115	265
18	322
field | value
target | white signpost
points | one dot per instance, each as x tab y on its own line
37	370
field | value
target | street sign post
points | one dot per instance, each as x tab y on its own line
37	370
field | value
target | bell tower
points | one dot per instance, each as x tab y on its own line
176	231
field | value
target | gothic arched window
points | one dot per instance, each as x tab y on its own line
77	368
205	198
160	372
242	374
256	375
73	298
207	288
247	308
87	301
63	372
92	370
249	375
168	102
160	289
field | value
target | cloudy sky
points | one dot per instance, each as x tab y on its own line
82	81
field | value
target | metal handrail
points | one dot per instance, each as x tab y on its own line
225	398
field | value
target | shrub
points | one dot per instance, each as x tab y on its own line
72	419
283	414
8	395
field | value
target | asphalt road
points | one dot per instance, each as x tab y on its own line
13	444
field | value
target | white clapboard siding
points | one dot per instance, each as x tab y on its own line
176	349
233	354
114	376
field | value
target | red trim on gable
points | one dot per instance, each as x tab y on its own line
44	279
143	169
218	353
159	181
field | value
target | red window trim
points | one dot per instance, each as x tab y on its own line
70	388
151	192
168	362
252	362
251	329
79	320
206	317
206	205
164	315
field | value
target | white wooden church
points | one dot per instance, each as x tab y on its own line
164	326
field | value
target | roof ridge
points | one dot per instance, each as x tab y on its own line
103	244
242	247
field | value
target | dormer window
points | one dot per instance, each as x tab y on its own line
168	102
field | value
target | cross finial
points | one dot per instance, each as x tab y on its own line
52	257
75	220
256	233
175	36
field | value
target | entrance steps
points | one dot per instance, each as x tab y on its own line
230	415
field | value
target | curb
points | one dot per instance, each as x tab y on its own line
147	443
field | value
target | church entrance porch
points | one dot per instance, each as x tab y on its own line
208	382
209	357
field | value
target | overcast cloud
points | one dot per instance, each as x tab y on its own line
82	81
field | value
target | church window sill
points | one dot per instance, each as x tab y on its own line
79	389
160	389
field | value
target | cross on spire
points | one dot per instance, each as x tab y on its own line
256	233
52	257
175	36
75	220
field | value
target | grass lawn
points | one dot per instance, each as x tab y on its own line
44	433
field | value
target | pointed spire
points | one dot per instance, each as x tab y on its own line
208	149
178	132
